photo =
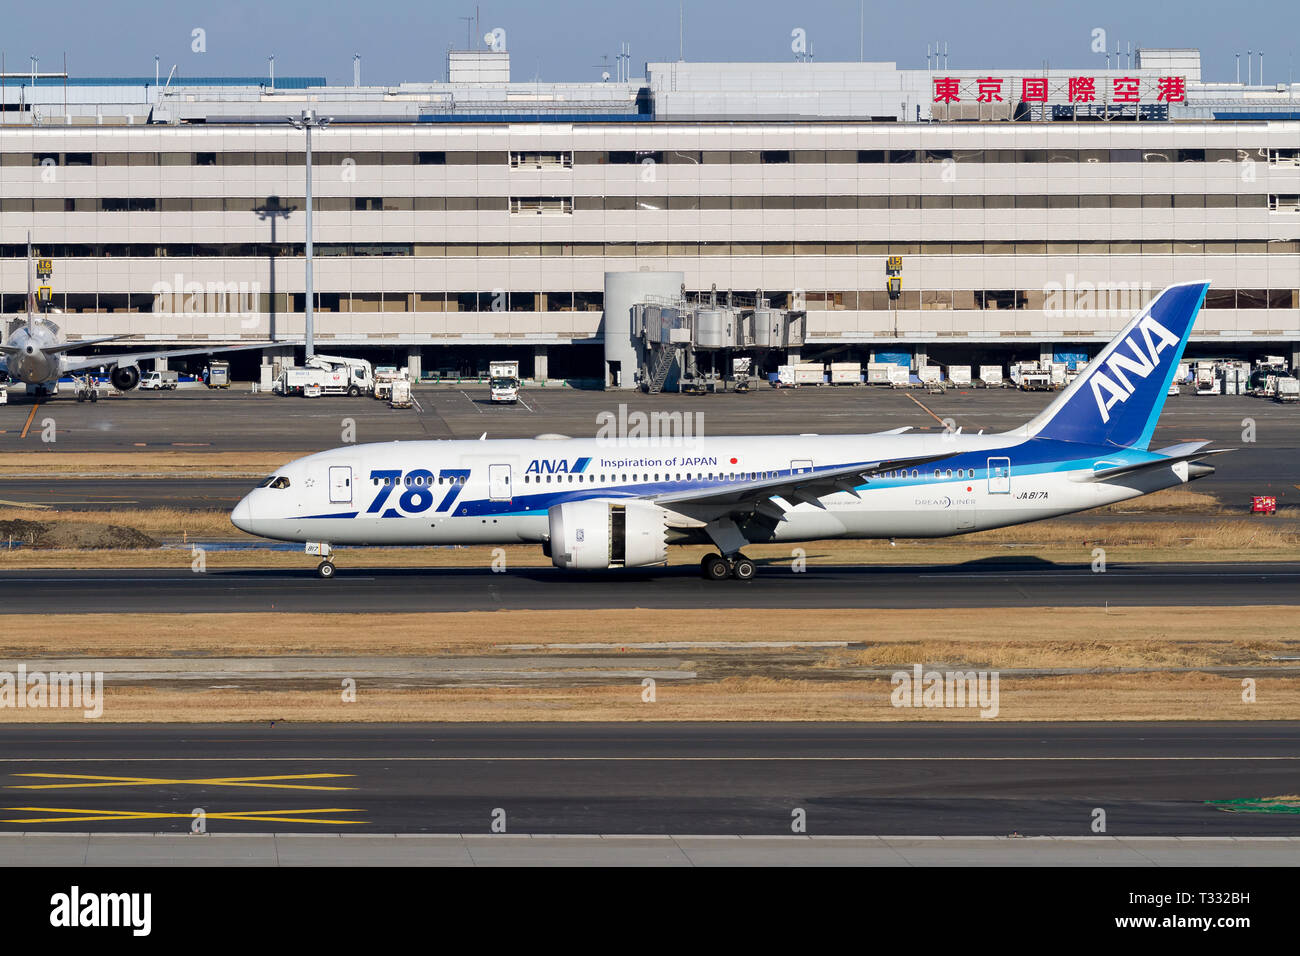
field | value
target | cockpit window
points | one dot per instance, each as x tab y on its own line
280	482
266	481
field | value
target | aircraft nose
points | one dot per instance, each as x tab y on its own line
242	516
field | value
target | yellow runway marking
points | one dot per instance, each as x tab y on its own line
249	816
86	781
30	416
23	504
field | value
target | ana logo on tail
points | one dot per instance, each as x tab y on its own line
1142	363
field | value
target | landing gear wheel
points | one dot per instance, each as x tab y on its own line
325	569
715	567
94	395
742	569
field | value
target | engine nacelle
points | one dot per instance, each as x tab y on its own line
124	377
598	534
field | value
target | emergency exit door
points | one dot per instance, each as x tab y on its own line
499	483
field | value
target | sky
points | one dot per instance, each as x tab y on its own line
571	40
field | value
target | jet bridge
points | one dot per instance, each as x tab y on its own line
688	343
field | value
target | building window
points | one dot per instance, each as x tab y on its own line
541	205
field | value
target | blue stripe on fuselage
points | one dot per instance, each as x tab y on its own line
1035	456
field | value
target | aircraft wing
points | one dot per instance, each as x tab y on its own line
805	488
73	363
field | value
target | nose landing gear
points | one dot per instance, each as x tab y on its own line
325	570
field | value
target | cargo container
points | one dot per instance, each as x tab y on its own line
846	373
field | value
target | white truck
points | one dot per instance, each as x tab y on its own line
345	376
1288	389
217	374
399	393
385	376
294	380
1031	377
503	381
158	380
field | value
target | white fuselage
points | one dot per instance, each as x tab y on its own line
498	492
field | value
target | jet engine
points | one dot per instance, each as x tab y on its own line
125	377
597	534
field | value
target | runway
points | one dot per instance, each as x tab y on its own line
1011	583
961	779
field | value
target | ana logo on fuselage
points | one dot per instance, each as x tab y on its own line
1118	388
556	466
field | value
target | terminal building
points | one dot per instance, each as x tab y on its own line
479	218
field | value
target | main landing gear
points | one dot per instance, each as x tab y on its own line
715	567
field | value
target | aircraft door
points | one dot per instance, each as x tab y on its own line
499	483
340	484
999	476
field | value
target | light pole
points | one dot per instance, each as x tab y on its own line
308	121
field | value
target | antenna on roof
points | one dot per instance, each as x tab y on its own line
356	69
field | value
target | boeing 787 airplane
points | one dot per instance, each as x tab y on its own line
594	504
37	353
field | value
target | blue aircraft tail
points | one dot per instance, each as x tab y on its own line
1119	396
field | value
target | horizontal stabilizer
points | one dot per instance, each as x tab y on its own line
1104	470
74	363
67	346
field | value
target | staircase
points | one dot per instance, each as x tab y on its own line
664	362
